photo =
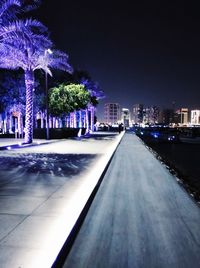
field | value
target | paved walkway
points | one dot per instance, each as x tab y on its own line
140	217
43	190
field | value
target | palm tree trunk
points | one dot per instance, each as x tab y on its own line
80	119
92	118
71	120
87	120
29	82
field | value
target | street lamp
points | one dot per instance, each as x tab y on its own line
49	51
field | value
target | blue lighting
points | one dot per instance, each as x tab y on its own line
155	134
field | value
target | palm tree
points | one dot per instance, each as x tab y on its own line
30	57
96	94
9	10
23	44
10	24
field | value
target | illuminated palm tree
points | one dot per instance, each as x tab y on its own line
8	10
31	56
23	44
96	94
10	24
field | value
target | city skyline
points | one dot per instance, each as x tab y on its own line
145	52
149	115
144	107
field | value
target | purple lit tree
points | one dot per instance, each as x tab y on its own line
31	57
96	94
94	89
25	44
10	24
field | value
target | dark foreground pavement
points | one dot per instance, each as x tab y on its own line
140	217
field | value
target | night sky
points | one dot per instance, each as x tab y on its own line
141	52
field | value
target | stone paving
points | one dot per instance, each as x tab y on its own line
43	189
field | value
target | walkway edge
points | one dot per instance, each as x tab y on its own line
99	174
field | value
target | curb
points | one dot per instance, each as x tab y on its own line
60	259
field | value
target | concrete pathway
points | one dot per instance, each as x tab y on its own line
140	217
43	190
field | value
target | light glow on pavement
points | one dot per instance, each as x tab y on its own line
58	231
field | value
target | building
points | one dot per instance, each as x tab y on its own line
166	116
137	115
195	117
125	117
112	113
150	115
181	116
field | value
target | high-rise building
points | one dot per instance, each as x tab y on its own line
125	117
137	115
150	115
195	117
181	116
112	113
166	116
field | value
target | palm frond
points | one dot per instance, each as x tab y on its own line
31	5
56	60
8	9
11	57
29	26
34	24
59	60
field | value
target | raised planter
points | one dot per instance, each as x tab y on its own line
57	133
7	136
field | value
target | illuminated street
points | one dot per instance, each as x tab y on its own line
42	191
140	218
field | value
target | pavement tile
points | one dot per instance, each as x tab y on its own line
16	257
8	222
40	206
34	232
19	205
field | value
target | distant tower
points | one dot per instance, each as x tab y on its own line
151	115
182	116
112	113
167	116
137	115
195	117
126	118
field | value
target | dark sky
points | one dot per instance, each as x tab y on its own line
138	51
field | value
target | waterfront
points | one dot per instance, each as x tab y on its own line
140	217
182	160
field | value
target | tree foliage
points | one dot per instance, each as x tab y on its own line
68	98
83	77
94	89
13	92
